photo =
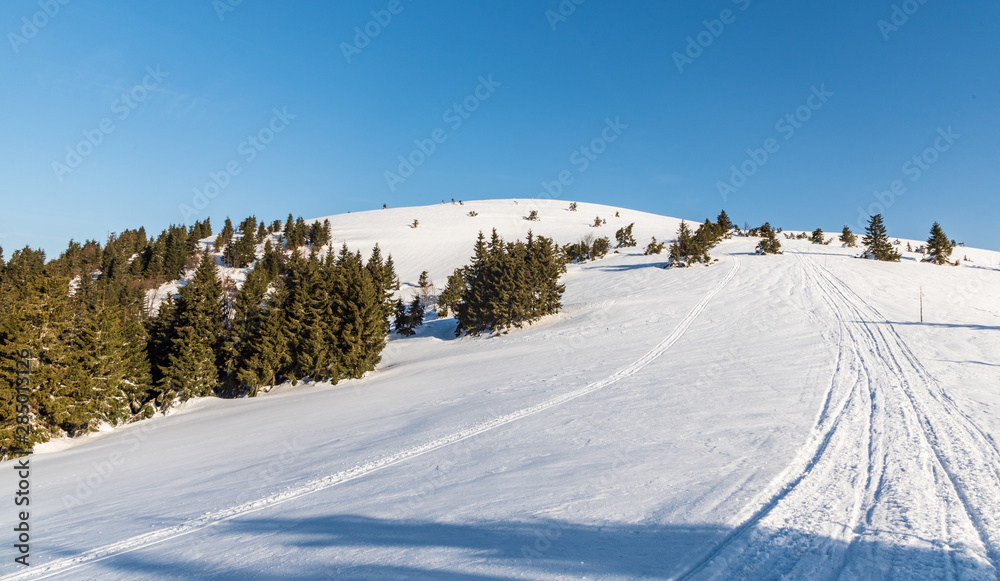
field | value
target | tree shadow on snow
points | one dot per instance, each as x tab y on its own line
943	325
359	547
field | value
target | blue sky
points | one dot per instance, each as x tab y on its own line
310	116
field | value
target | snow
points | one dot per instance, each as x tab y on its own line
763	417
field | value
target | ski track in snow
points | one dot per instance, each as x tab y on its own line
67	564
895	480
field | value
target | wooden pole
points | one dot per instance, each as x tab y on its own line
921	304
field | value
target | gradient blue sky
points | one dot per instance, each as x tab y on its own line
890	97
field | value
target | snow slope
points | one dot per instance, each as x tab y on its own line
767	417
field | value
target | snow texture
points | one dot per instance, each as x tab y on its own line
776	417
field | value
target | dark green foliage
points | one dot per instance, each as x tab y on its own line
624	237
654	247
532	216
192	356
689	249
509	284
452	294
877	245
359	308
597	222
224	237
769	243
848	237
588	248
939	247
402	320
600	247
724	224
818	237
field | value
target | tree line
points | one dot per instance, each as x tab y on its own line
99	356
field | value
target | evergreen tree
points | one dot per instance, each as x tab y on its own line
818	237
724	224
939	247
507	284
402	321
769	243
848	237
600	248
654	247
361	313
224	237
451	296
624	237
877	245
689	249
266	355
193	357
416	314
426	291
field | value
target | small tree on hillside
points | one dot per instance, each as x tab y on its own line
532	216
597	222
624	237
572	206
877	245
402	321
426	291
451	296
416	313
654	247
939	247
817	236
724	224
769	243
689	249
848	237
600	247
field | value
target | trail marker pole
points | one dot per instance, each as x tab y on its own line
921	304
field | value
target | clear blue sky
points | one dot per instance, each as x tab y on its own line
894	87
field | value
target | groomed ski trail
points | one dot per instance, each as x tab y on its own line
64	565
895	481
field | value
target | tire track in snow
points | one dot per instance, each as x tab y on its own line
968	459
841	396
921	499
63	565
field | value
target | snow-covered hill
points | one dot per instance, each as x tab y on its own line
765	416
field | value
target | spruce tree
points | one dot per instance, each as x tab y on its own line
848	237
426	291
724	224
600	248
266	356
451	296
877	245
225	236
361	313
416	314
817	236
402	321
624	237
654	247
939	246
769	243
195	350
689	249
